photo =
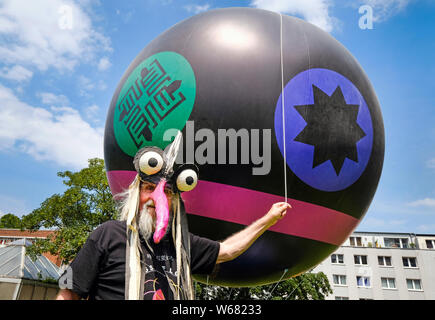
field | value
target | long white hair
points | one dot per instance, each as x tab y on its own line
125	200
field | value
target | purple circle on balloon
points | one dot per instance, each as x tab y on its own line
300	157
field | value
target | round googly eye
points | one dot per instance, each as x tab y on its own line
150	162
187	180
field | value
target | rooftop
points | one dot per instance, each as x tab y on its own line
25	233
395	233
15	264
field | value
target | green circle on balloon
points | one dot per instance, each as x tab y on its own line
158	95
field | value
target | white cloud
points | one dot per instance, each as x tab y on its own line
14	205
16	73
88	3
314	11
104	64
92	110
414	208
195	8
381	223
52	99
125	16
48	33
426	228
373	223
384	9
431	163
91	113
86	86
426	202
58	134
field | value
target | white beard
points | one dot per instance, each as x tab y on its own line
146	223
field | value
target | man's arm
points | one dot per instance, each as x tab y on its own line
238	243
66	294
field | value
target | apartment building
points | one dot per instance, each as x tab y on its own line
382	266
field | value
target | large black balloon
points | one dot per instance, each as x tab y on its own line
244	68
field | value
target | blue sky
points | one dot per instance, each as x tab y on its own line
60	62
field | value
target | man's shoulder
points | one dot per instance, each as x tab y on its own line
113	224
111	229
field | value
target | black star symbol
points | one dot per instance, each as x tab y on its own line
331	128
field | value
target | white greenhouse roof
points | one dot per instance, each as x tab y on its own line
14	265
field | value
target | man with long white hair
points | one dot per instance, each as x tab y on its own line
149	253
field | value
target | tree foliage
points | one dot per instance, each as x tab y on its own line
10	221
86	203
307	286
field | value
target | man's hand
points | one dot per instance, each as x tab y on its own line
277	212
238	243
66	294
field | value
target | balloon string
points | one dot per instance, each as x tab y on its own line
299	284
285	271
282	109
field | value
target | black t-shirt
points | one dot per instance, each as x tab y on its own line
98	271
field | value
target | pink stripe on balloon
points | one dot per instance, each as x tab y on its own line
244	206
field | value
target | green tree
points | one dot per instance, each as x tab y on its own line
85	204
10	221
307	286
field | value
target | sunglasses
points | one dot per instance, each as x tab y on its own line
149	187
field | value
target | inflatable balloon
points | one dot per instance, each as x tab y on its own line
271	109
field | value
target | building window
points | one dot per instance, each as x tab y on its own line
384	261
409	262
430	244
341	298
355	241
360	260
339	279
388	283
414	284
337	258
363	281
396	242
